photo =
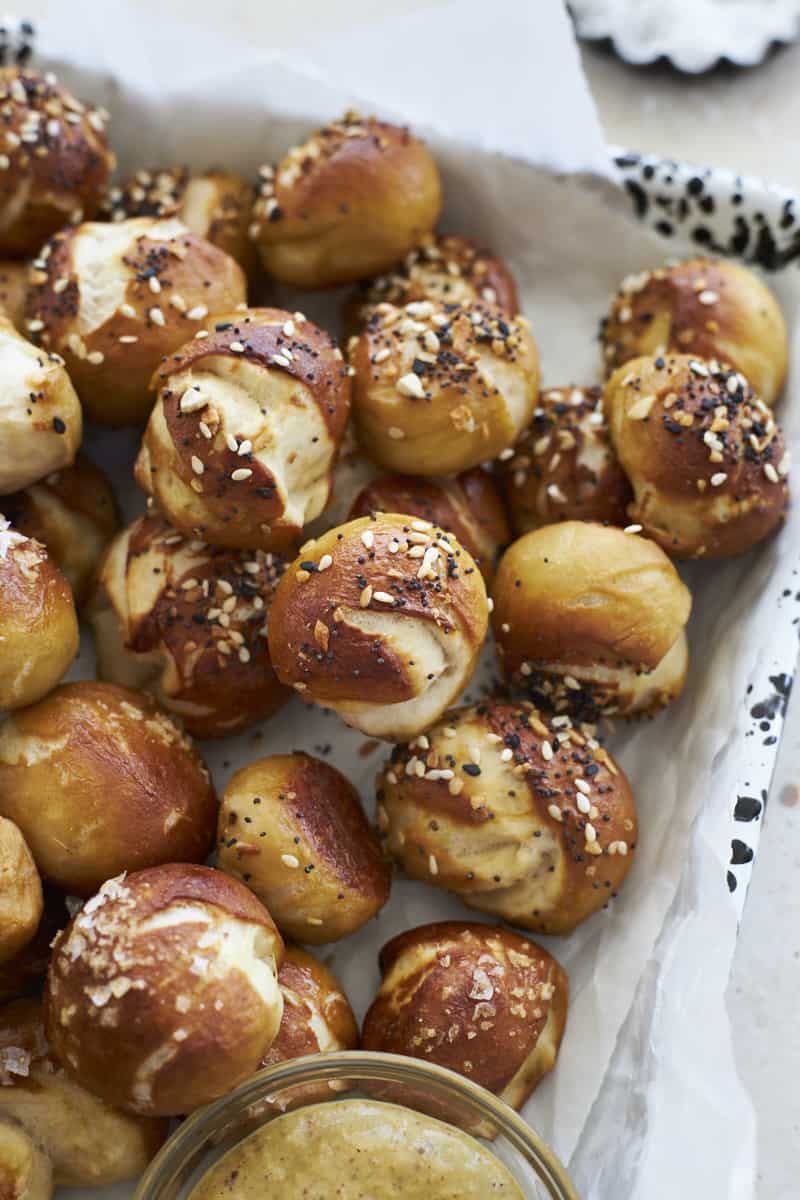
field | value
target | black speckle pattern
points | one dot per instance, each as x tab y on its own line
711	209
16	42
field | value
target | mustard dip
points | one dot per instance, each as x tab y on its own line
357	1150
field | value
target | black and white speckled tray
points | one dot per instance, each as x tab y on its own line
724	213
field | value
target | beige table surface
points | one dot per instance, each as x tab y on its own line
749	121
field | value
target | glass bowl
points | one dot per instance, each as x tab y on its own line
215	1129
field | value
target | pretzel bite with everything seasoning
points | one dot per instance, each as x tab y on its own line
705	307
382	620
440	388
171	975
467	506
55	161
38	625
589	621
243	439
21	903
706	459
25	1170
13	292
40	416
513	810
74	514
188	623
88	1143
478	999
114	299
563	467
449	268
348	203
292	828
214	204
317	1017
100	781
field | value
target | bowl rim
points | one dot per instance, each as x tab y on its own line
368	1064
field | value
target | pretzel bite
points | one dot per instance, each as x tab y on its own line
317	1017
243	439
382	620
55	160
590	621
25	1170
187	622
171	975
512	810
563	467
13	292
21	903
88	1143
38	626
478	999
74	514
114	299
348	203
292	828
214	204
705	307
439	388
449	268
99	781
706	459
467	506
40	417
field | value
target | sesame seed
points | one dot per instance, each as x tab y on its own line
95	358
325	562
290	860
288	328
395	433
506	755
368	538
204	430
193	400
784	464
590	833
555	493
240	474
35	325
455	787
381	355
622	848
632	529
433	865
383	597
583	804
771	473
421	526
411	385
280	360
554	811
197	466
708	297
156	315
365	597
5	162
718	479
155	286
245	447
547	751
177	301
197	313
236	347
